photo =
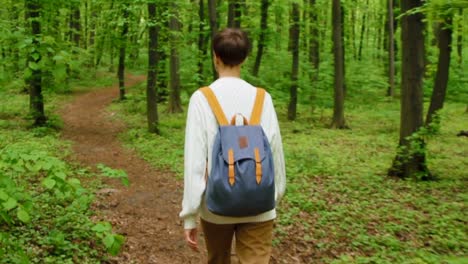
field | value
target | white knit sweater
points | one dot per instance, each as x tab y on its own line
235	96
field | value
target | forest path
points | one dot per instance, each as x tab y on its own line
146	212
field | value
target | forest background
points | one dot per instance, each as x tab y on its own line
371	95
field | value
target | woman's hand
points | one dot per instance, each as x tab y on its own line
191	236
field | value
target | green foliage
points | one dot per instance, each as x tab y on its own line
114	173
112	242
45	214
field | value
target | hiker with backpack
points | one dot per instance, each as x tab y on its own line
234	172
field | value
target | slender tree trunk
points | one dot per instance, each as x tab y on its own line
261	41
295	29
363	29
202	42
234	14
92	33
353	30
314	47
76	25
338	109
122	52
213	27
86	25
36	100
151	88
410	160
175	105
444	42
460	38
15	50
343	48
391	50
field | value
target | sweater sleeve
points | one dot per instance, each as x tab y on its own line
274	134
195	156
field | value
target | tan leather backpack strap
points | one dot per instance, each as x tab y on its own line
256	115
215	106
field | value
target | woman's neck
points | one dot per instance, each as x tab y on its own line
229	71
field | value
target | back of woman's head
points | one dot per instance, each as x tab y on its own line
232	46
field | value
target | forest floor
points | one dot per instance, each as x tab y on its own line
146	212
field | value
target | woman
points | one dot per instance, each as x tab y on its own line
236	96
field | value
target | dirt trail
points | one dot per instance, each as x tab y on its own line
146	212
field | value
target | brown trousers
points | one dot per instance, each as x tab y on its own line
253	242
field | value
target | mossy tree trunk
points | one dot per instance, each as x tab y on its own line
338	52
151	88
391	49
175	105
294	36
36	99
261	40
234	14
122	51
410	160
213	28
444	42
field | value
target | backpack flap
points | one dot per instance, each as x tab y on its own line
242	141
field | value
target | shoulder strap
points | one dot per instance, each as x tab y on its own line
214	104
256	115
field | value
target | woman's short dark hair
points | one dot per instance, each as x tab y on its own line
232	46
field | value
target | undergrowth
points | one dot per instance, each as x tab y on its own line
45	214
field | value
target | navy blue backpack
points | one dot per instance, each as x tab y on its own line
241	182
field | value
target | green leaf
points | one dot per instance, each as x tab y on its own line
23	216
49	183
27	73
10	204
34	66
102	227
60	72
60	175
3	195
117	245
35	56
108	241
125	182
6	217
57	58
74	182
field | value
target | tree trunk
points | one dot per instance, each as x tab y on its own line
410	160
234	14
363	30
343	48
391	50
353	30
314	45
460	38
86	25
338	109
214	29
151	88
444	42
175	105
36	100
122	52
202	42
295	29
261	40
76	25
16	52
